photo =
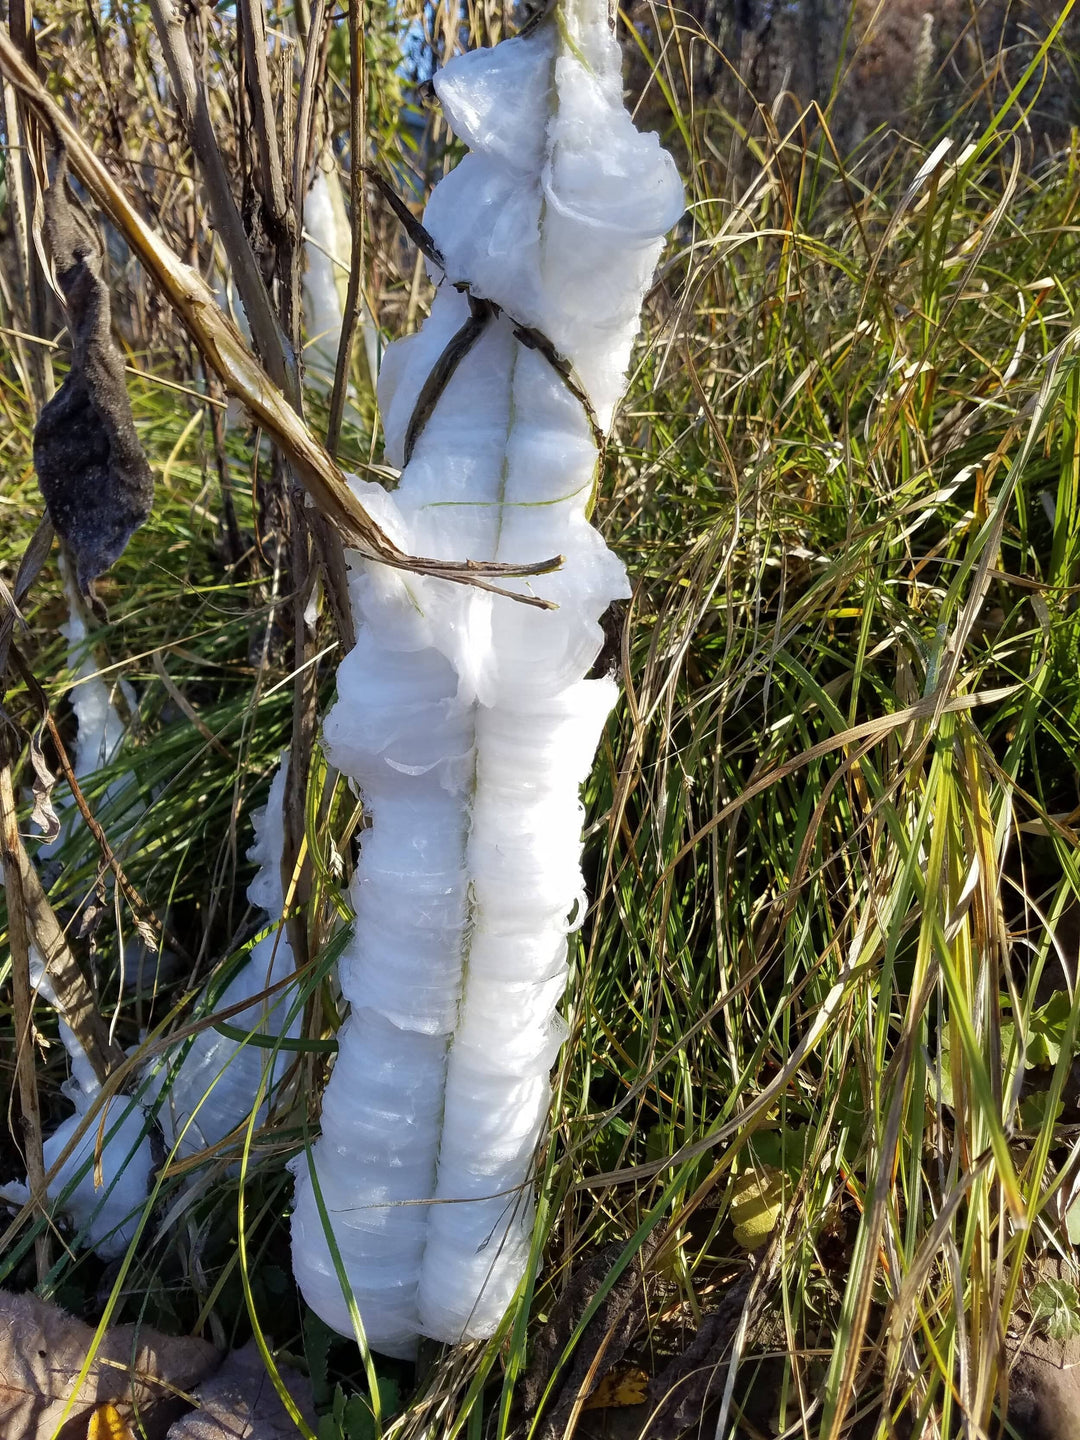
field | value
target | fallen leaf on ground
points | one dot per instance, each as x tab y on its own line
757	1198
241	1403
106	1423
693	1380
43	1349
599	1348
626	1385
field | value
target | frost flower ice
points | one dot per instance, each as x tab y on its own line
466	719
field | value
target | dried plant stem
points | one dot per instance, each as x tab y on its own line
22	1000
357	142
223	347
195	113
75	999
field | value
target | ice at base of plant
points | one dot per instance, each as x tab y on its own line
205	1093
466	720
212	1089
105	1215
100	726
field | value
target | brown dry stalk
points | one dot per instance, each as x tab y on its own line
74	997
22	1000
223	348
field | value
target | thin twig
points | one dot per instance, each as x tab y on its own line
22	999
195	113
34	557
357	144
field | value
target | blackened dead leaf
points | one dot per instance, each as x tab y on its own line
241	1403
695	1379
601	1346
43	1349
90	465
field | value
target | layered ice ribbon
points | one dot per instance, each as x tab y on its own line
200	1095
465	719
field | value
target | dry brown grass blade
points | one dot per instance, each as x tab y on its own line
19	940
224	349
75	999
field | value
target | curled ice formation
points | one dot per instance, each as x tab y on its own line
213	1088
200	1097
466	719
102	1186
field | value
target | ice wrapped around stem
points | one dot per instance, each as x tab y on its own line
201	1094
212	1088
465	719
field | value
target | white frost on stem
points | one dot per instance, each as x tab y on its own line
207	1094
327	249
101	729
465	719
102	1186
213	1089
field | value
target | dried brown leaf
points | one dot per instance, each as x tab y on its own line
241	1403
601	1346
43	1350
44	815
695	1379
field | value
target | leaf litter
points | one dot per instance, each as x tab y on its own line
138	1382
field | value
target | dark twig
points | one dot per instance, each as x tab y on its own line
416	232
441	373
460	344
534	339
357	142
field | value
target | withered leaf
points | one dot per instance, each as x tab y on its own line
695	1379
623	1386
90	466
241	1403
600	1348
43	1349
44	816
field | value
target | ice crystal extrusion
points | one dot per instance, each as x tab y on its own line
204	1094
213	1088
465	719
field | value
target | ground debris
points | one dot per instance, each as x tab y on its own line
602	1345
690	1382
241	1403
43	1350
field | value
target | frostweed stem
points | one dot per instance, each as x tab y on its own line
466	720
